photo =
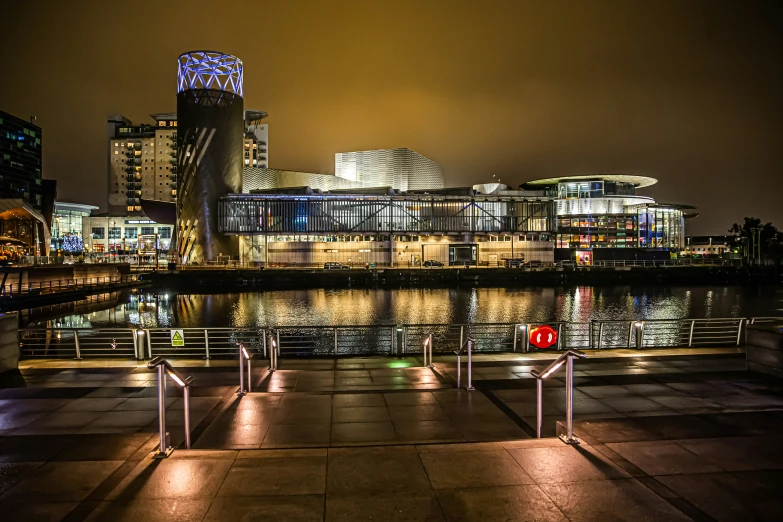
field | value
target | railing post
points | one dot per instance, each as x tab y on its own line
560	335
241	391
470	365
78	347
739	331
206	342
163	448
399	334
690	334
459	368
249	375
640	335
149	343
514	346
461	336
630	333
600	333
526	344
569	438
277	347
186	398
263	337
539	406
429	347
335	341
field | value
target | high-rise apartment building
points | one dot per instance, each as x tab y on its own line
142	163
142	159
20	160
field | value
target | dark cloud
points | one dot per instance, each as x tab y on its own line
685	91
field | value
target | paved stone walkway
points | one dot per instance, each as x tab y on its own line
664	438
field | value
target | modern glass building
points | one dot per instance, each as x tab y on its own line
403	229
67	226
20	160
597	215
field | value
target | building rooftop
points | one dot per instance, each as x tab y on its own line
638	181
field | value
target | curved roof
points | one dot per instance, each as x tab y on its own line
638	181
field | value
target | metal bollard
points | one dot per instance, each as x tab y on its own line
272	354
470	387
186	396
249	370
241	373
428	347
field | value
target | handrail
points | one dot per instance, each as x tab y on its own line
557	363
469	342
164	367
568	359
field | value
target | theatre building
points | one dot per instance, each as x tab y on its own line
601	217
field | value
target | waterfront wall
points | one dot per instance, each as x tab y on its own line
14	276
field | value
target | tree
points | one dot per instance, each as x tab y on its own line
751	234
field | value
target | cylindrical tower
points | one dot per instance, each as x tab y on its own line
210	121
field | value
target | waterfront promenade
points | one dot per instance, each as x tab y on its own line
667	435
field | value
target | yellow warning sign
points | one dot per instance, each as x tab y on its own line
177	338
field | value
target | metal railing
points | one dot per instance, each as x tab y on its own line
391	340
165	368
61	285
567	359
668	262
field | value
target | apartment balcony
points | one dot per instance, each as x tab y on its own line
136	162
262	151
133	201
174	169
173	153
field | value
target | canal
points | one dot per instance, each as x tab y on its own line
407	305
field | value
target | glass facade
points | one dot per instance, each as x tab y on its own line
20	160
661	227
259	214
598	231
68	225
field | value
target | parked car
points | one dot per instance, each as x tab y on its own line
432	262
534	264
332	265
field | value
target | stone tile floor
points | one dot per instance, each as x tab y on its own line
664	438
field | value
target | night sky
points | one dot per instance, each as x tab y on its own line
689	92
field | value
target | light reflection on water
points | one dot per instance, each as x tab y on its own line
416	305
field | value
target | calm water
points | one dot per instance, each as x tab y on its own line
373	306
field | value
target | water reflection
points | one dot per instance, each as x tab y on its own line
416	305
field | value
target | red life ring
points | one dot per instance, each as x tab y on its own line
543	336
